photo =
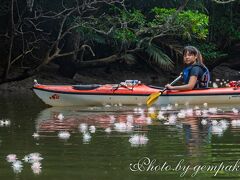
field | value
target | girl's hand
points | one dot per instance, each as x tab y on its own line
168	86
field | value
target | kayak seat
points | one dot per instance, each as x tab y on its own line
86	86
156	87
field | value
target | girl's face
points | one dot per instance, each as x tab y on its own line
189	58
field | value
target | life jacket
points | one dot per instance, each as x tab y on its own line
203	81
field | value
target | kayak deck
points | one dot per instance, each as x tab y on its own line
68	95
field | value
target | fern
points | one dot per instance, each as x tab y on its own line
159	57
129	58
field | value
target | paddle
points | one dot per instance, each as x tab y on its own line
154	96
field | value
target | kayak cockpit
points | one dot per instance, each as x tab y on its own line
86	86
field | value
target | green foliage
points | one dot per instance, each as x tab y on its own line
158	56
127	22
132	28
125	35
189	23
133	17
230	28
210	52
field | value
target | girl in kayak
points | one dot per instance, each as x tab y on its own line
195	74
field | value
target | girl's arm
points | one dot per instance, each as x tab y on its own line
192	82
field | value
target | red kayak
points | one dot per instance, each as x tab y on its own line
127	93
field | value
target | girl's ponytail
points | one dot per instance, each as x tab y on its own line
199	57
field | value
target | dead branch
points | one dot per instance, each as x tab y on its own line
223	1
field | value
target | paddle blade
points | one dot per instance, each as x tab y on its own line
152	98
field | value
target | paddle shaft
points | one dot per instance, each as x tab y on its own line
154	96
179	77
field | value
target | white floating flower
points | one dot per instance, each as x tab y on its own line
235	111
181	114
151	110
204	122
205	104
172	119
160	115
141	110
234	122
148	120
26	159
36	135
198	112
217	130
163	108
5	122
1	123
64	135
83	127
213	110
120	127
137	140
204	113
129	126
108	130
169	107
189	112
34	157
112	119
196	107
238	123
92	129
214	122
17	166
60	116
224	124
11	158
215	85
36	167
86	137
130	118
138	110
135	110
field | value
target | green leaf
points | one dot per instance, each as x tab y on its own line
159	57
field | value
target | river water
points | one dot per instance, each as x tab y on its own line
117	142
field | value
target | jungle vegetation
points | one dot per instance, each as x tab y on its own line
89	33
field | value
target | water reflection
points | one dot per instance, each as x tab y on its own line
198	125
103	141
67	121
47	120
109	139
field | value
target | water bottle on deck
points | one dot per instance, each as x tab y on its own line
132	82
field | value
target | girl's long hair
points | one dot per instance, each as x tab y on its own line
193	50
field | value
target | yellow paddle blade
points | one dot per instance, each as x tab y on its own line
152	98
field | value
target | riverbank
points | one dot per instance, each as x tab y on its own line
101	75
112	74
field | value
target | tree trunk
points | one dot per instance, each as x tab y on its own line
8	65
98	62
